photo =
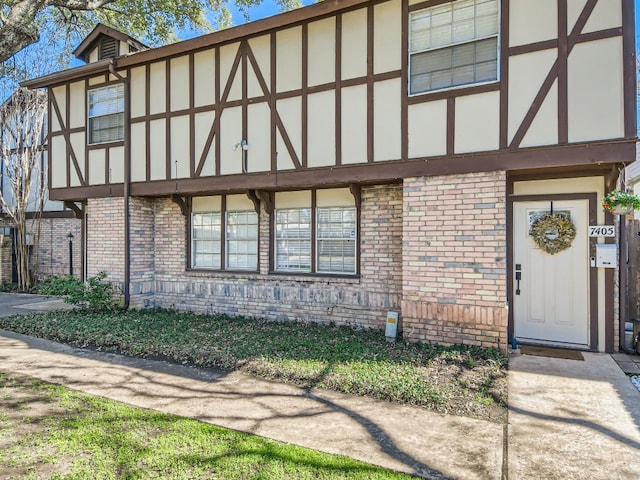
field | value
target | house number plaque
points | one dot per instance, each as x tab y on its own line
602	231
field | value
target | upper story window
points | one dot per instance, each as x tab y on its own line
453	44
315	232
224	233
106	114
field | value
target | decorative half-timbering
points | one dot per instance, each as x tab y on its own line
354	157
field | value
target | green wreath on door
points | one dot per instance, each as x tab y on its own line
553	233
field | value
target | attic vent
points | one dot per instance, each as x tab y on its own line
108	48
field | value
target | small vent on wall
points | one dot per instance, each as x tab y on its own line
107	48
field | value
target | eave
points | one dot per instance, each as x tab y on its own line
70	74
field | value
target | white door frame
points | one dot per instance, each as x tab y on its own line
593	274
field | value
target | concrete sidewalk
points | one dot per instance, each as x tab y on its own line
397	437
572	419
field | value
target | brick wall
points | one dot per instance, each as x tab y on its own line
51	256
142	250
363	302
5	259
105	238
454	259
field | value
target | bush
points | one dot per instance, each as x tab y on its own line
59	286
95	294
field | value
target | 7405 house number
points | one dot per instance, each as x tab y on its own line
602	231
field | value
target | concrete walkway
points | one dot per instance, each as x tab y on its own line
572	419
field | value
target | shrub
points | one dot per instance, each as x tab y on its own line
95	294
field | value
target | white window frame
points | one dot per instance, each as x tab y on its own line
225	237
112	99
452	45
299	248
242	241
195	241
290	250
338	233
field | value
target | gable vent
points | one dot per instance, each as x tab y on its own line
107	48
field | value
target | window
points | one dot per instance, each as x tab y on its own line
242	240
336	240
205	237
106	114
316	240
453	44
238	250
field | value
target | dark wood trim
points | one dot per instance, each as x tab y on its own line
192	116
338	90
273	104
609	288
426	4
304	93
49	137
187	228
107	166
451	125
314	231
593	277
244	46
75	211
579	157
69	154
67	117
182	203
404	88
255	200
370	99
275	115
453	93
532	47
216	124
629	68
267	201
223	233
552	76
356	191
147	127
167	122
86	124
504	74
549	44
563	74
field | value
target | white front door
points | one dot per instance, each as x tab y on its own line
551	297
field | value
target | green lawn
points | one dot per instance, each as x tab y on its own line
460	380
48	431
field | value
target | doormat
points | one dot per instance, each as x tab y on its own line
551	352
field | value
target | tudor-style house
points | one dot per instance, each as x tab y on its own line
359	157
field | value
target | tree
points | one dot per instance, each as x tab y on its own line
22	120
155	21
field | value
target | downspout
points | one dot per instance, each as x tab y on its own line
127	182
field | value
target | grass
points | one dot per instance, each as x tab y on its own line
48	431
459	379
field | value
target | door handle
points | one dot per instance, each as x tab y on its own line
518	277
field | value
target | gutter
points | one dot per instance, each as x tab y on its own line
127	185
